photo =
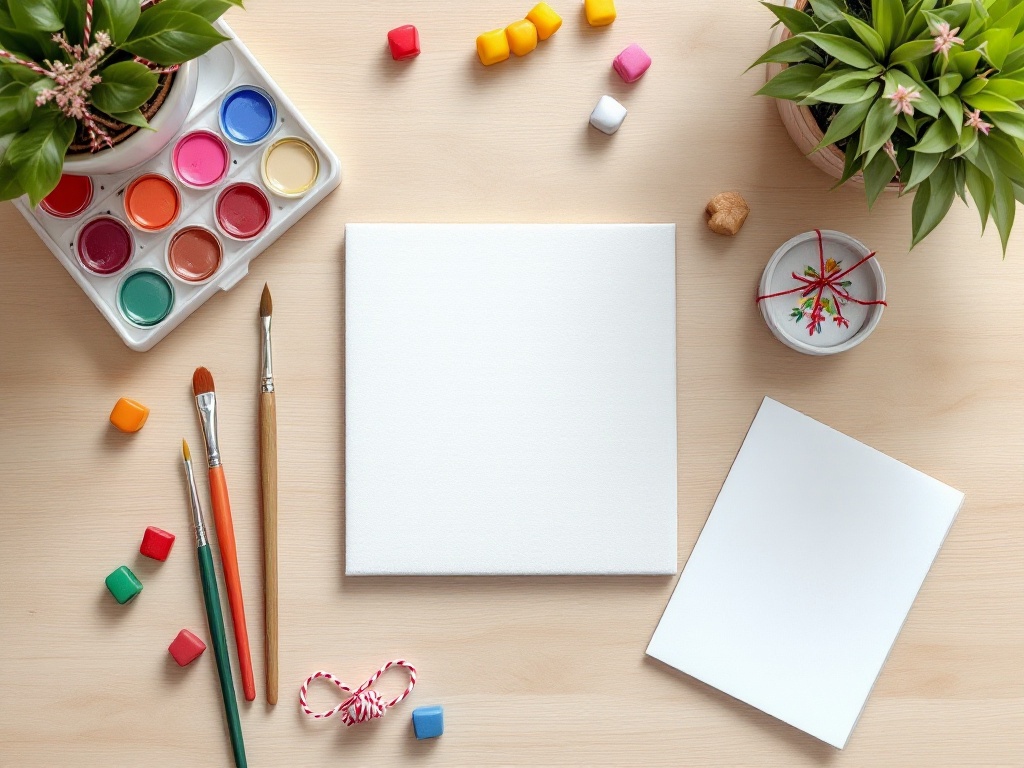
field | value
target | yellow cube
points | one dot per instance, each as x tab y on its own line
545	20
522	37
600	13
492	47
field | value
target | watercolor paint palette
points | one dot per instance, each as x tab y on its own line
150	245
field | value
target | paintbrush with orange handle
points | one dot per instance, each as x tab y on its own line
268	494
206	404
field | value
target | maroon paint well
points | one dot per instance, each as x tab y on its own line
243	211
105	246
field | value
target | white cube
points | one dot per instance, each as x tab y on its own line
607	115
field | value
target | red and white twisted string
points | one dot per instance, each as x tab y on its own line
87	31
362	704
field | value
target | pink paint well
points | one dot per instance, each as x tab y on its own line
200	159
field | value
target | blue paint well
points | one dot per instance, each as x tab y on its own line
247	115
428	722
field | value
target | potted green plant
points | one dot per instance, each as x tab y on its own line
95	86
924	95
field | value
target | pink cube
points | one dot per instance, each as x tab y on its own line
186	648
632	63
156	543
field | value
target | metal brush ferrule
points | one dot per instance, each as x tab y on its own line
197	511
206	403
267	376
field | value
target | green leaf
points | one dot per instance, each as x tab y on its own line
973	86
878	128
914	23
1010	20
887	17
170	37
1010	123
939	137
1007	88
9	186
995	46
932	202
37	154
981	189
793	83
790	51
852	164
827	10
211	10
17	101
968	138
953	109
954	15
990	102
1002	157
867	35
1004	207
965	62
126	85
922	164
877	174
847	51
915	49
118	17
847	120
849	92
948	83
134	117
39	15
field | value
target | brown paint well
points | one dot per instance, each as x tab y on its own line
194	254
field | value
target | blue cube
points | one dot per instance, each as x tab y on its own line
428	722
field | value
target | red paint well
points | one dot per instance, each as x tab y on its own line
243	211
105	245
69	198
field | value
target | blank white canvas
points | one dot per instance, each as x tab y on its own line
510	399
804	573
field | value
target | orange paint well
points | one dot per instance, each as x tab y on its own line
152	202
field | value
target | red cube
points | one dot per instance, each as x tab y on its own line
186	648
404	42
156	543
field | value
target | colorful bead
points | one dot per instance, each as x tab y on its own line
156	543
428	722
607	115
545	20
522	37
600	13
404	42
129	415
492	47
632	63
186	648
123	584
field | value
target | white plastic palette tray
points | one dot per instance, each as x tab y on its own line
226	67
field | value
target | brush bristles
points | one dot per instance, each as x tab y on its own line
202	382
266	305
185	451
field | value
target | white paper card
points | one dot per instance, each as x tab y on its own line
510	399
804	573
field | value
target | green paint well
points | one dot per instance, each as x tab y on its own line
145	298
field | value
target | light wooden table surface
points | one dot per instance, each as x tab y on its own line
531	671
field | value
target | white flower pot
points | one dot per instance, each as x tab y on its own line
144	144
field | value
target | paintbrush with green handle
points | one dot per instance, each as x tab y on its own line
214	616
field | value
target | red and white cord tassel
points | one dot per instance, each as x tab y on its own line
154	67
362	704
87	31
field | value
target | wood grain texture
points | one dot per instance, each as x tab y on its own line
531	671
268	504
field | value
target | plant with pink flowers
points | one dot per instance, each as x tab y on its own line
927	94
86	68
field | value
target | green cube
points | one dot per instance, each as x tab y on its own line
123	584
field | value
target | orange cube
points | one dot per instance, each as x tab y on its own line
600	13
492	47
129	415
522	36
